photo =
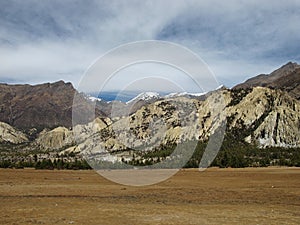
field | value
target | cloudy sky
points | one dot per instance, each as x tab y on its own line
42	41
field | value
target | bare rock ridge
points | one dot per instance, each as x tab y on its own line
286	78
40	106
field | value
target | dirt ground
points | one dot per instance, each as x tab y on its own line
215	196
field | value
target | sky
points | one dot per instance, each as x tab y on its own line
50	40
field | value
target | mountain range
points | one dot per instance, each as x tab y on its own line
262	112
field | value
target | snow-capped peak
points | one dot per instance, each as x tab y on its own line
220	87
178	94
94	99
145	96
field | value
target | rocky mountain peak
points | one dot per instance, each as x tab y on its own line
286	78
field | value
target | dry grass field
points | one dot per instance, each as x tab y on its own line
215	196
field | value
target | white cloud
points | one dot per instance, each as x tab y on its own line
50	40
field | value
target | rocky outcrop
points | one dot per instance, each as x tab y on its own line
58	138
267	117
62	138
11	135
165	121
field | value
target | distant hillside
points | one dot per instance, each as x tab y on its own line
286	78
40	106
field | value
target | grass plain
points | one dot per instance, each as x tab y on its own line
215	196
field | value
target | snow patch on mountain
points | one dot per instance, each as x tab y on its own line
145	96
179	94
94	99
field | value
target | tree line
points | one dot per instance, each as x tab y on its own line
49	164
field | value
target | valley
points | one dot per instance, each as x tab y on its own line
215	196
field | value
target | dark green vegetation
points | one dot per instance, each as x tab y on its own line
46	164
62	164
246	155
235	155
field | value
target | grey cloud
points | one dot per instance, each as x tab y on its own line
50	40
238	28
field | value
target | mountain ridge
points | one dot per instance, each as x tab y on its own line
257	117
286	78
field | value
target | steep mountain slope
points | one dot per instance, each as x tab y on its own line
286	78
40	106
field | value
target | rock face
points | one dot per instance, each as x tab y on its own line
58	138
61	138
267	117
11	135
40	106
260	116
286	78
